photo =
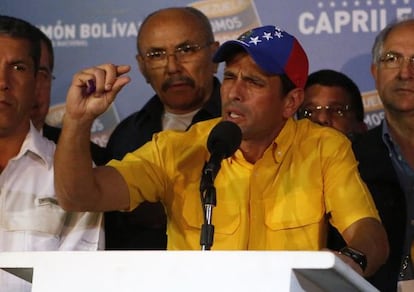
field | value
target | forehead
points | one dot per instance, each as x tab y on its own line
326	95
44	54
170	28
241	60
16	48
401	36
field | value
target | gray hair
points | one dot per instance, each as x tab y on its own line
377	48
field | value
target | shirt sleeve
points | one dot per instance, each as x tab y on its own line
347	197
144	172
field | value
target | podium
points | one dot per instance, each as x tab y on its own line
259	271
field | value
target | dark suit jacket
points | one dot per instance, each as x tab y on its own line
144	228
377	171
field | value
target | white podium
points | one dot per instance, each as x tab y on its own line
206	271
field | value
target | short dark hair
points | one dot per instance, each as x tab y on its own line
18	28
48	42
327	77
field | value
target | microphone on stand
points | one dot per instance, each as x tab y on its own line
222	142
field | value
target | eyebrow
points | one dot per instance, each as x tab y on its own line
44	68
19	61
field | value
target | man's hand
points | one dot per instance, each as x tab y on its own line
93	90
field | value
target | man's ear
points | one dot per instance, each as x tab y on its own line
374	73
293	100
142	67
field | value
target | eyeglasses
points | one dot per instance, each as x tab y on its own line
332	110
184	53
392	60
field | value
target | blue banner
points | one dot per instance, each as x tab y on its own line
336	34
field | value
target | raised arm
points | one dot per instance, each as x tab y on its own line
80	187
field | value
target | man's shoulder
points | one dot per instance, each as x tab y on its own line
51	133
147	116
199	129
371	136
372	155
135	130
369	144
196	134
308	130
40	145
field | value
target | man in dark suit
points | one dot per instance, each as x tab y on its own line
386	153
175	50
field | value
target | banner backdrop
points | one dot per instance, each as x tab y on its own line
336	34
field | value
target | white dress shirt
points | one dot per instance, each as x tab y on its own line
30	217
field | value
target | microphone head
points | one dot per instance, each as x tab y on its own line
224	139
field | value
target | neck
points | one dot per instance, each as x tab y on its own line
254	146
253	149
252	152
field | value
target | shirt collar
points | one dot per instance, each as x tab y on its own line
280	145
38	145
284	140
387	139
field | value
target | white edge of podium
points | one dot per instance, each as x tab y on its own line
183	271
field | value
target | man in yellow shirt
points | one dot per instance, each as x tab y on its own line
276	192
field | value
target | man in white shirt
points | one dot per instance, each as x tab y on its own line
30	217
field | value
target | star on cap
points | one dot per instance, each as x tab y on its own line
279	34
267	35
255	40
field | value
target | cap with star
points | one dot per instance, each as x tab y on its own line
275	51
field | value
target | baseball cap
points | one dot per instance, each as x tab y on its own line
274	51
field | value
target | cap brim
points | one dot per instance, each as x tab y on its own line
227	49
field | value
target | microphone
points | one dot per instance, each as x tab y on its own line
222	142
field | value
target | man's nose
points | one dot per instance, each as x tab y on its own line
322	117
4	80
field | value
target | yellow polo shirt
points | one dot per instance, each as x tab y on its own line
307	176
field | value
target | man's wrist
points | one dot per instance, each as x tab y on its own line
356	255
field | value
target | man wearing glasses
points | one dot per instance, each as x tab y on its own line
332	99
386	153
175	50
